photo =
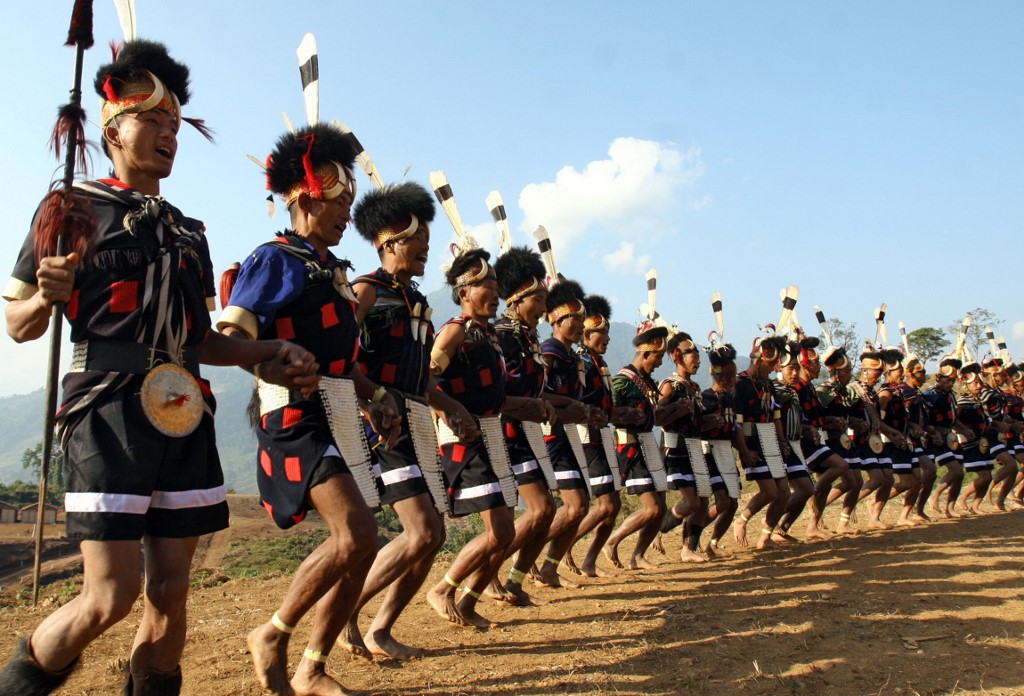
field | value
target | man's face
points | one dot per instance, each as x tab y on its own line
844	374
412	252
480	299
916	376
570	328
597	341
532	307
870	375
326	220
790	374
689	359
975	386
144	143
944	382
894	375
813	368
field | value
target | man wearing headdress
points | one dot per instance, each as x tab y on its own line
137	289
397	337
791	412
756	405
295	287
977	451
827	464
866	423
945	428
633	387
899	448
597	393
468	359
917	415
1001	429
680	388
565	380
719	426
520	273
834	396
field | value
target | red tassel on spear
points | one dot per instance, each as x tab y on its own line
64	218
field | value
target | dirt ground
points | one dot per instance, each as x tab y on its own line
935	609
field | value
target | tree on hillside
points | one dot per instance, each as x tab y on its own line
843	336
32	459
928	343
976	342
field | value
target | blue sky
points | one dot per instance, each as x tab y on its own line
867	152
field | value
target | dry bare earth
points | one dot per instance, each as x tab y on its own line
928	610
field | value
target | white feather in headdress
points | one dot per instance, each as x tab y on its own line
363	158
820	316
463	240
717	337
546	254
496	205
880	325
789	297
126	17
309	72
905	338
991	336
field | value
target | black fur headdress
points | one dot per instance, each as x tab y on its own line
137	56
517	268
598	306
391	207
721	355
324	143
565	293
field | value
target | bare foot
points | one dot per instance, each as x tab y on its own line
766	542
877	524
352	640
473	618
780	536
590	570
641	563
314	681
844	527
739	530
906	522
549	577
715	551
952	514
269	649
687	555
658	544
920	515
381	642
520	598
444	604
611	552
570	563
496	591
933	503
815	532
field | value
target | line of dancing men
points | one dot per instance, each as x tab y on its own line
360	404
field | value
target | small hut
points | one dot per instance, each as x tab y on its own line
28	514
8	513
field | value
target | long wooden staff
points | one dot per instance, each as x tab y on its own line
70	126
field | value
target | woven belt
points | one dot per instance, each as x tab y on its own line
111	355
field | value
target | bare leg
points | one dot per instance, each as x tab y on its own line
910	486
835	467
531	536
501	531
651	514
928	475
853	482
349	550
575	504
605	513
403	564
112	579
1004	478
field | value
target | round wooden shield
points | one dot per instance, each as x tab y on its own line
952	441
172	400
875	443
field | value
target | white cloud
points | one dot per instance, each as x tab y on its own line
1018	330
624	260
631	192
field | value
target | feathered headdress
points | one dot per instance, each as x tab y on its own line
719	356
496	205
446	197
565	299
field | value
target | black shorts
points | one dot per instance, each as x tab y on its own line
634	470
567	468
473	485
602	480
125	479
678	470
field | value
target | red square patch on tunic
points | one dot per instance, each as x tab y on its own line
328	316
293	468
486	379
265	463
284	328
290	417
457	385
397	329
124	296
388	373
458	452
337	367
72	308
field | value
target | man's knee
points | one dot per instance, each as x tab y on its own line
110	602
